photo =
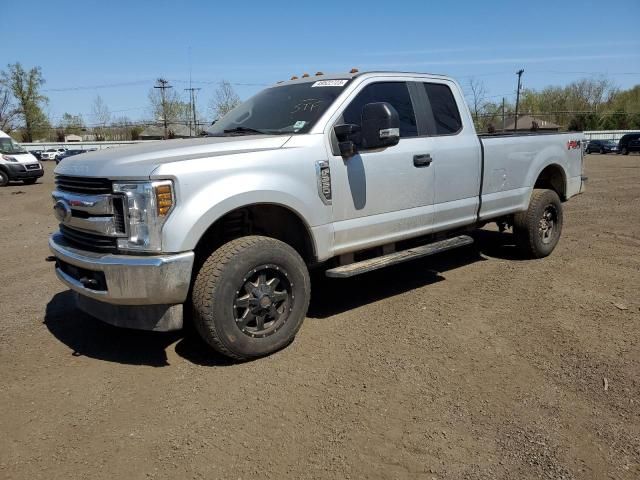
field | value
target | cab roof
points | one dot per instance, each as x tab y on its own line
351	75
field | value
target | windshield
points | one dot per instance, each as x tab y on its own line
286	109
9	146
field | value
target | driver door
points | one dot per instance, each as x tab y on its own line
387	194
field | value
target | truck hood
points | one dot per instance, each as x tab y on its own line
139	161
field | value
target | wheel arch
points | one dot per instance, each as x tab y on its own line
268	219
553	177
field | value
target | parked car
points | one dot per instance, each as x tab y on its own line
16	163
344	174
70	153
602	146
629	143
52	153
36	153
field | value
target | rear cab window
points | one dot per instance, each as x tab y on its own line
442	110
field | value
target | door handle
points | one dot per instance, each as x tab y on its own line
422	160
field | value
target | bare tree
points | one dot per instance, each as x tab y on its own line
101	117
26	86
477	97
8	112
167	105
224	100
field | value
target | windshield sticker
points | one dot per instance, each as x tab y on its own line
330	83
299	124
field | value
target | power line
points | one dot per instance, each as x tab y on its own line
96	87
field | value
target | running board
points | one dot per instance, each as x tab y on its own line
352	269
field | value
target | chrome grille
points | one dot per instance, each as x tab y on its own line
91	216
86	185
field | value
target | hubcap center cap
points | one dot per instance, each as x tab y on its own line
265	302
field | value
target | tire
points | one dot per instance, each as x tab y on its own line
240	313
624	151
533	238
29	181
4	178
602	151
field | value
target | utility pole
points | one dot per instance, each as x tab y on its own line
163	84
192	104
519	73
503	117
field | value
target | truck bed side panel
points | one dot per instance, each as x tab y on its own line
513	163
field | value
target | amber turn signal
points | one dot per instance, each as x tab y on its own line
164	199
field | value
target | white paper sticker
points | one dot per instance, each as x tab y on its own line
299	124
330	83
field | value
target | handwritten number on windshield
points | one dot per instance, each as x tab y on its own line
308	105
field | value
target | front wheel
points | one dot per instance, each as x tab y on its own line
29	181
4	179
538	229
250	297
624	151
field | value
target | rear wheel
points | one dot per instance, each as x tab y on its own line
250	297
4	179
538	230
602	151
624	151
29	181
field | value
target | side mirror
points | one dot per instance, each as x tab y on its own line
348	136
380	125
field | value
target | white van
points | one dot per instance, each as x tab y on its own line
16	163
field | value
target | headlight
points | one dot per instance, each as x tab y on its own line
148	204
8	158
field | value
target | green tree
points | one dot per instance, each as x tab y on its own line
71	124
25	86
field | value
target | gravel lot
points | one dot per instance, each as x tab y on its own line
471	365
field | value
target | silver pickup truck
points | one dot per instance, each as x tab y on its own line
345	173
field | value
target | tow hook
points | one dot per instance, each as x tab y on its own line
89	282
50	258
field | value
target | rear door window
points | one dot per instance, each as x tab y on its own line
395	93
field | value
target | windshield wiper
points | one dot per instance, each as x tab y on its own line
241	130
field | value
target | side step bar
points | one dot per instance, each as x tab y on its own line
352	269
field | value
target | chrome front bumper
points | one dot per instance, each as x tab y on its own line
130	280
139	292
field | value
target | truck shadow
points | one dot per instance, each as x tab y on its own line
89	337
494	244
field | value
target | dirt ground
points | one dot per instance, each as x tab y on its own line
470	365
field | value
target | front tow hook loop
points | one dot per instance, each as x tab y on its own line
50	258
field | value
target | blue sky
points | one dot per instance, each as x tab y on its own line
116	49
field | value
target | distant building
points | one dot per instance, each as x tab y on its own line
156	132
72	138
527	123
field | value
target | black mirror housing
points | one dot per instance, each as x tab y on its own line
346	131
380	125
